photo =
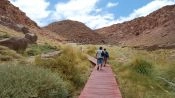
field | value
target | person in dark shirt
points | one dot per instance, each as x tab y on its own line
106	57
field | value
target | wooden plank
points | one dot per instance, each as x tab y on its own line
101	84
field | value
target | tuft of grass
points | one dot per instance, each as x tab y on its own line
91	50
21	81
8	55
141	66
166	78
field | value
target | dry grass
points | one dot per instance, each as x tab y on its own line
62	76
7	54
10	32
142	74
139	72
71	64
21	81
37	49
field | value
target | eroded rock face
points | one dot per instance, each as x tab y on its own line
18	44
11	16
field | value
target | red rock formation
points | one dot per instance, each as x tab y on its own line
13	17
158	28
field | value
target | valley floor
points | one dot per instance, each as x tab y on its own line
140	73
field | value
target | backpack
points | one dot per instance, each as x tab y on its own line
102	54
106	54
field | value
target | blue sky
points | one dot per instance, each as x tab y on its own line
94	13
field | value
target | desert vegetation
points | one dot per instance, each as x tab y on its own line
140	73
71	64
21	81
144	74
4	35
61	76
7	54
26	73
36	49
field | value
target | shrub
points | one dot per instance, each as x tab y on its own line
71	64
141	66
19	81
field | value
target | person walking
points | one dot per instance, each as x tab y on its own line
99	57
106	57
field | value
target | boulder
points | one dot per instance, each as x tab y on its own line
22	28
18	44
25	30
31	37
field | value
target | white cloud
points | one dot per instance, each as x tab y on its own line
35	9
85	11
147	9
110	4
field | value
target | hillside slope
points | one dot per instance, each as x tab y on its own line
158	28
13	17
75	31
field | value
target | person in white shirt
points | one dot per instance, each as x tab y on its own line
99	56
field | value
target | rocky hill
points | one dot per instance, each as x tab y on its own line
156	29
13	17
75	32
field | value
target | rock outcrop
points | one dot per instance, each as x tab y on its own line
19	44
13	17
32	38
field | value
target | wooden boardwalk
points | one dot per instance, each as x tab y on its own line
101	84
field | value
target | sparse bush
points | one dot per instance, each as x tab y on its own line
141	66
33	52
19	81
